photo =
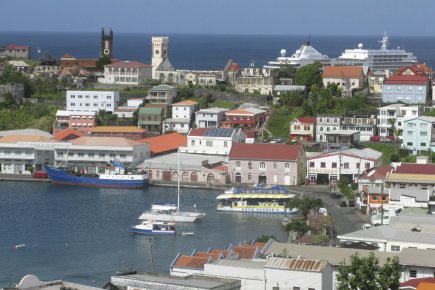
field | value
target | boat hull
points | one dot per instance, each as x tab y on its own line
150	232
251	209
59	176
186	218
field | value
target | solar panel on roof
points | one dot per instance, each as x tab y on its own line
218	132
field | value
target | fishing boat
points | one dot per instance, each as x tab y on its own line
171	212
114	175
153	228
257	199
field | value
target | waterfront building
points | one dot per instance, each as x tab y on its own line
250	118
303	129
347	78
306	54
80	121
150	119
419	134
14	89
165	144
365	123
376	59
91	101
267	164
91	154
129	132
194	168
128	73
391	119
325	124
15	51
182	113
214	141
31	282
210	118
22	154
323	168
164	281
162	94
409	89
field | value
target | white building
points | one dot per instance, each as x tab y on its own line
395	114
215	141
327	167
126	73
92	153
91	101
326	124
182	113
210	118
162	94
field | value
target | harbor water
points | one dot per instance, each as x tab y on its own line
79	234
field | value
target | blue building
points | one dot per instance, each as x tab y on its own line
419	134
408	89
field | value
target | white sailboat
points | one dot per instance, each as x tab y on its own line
171	212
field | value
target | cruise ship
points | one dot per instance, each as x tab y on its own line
306	54
377	59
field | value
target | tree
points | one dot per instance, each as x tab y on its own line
299	226
102	61
304	205
286	71
265	238
365	273
309	75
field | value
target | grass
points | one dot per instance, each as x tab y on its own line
223	104
387	150
279	121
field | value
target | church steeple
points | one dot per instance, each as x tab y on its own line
106	43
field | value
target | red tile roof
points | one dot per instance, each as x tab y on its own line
67	55
418	69
265	151
234	67
185	103
117	129
13	46
128	64
245	251
225	253
62	135
249	133
415	282
165	143
379	173
260	244
197	131
191	262
406	80
307	120
239	112
213	256
413	168
342	71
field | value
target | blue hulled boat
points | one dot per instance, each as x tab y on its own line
113	177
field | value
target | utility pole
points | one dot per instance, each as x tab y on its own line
151	254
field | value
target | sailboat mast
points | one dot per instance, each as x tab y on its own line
178	181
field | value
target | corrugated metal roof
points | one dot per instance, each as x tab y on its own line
296	264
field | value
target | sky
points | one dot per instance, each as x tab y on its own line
282	17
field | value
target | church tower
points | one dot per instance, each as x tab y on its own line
106	43
159	52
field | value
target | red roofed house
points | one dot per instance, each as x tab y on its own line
303	129
409	89
126	73
267	163
15	51
246	118
129	132
80	121
418	284
68	134
347	78
71	66
165	143
231	72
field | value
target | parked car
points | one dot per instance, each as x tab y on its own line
343	203
336	195
351	202
366	226
39	174
322	211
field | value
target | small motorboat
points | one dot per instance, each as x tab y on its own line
187	233
19	246
153	228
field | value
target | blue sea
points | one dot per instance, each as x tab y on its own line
80	234
209	52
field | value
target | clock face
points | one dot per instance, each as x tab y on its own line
156	51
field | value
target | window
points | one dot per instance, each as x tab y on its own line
367	165
286	165
81	155
238	164
70	154
249	176
413	273
91	155
311	164
296	288
346	165
60	154
72	97
209	143
395	248
423	144
322	164
102	155
225	143
112	155
357	165
192	142
17	152
262	165
123	155
274	165
334	165
250	165
409	144
423	133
